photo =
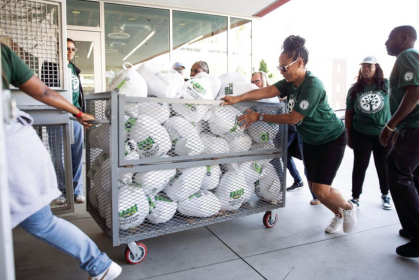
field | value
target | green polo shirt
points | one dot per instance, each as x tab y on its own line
320	124
14	70
372	109
405	73
75	85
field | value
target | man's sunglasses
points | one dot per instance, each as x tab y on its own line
71	49
284	68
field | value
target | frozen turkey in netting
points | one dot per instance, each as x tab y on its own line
236	88
252	172
99	137
153	182
269	186
231	190
133	208
241	143
262	146
223	121
214	144
128	82
211	178
185	183
184	136
162	82
151	138
229	78
161	209
200	204
263	132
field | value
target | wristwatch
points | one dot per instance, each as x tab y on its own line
261	117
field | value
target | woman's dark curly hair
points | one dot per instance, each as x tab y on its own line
294	47
359	85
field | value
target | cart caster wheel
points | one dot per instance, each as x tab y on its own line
268	222
136	259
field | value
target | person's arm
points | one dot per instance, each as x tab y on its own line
349	117
257	94
41	92
408	104
292	118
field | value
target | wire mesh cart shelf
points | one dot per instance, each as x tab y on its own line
158	166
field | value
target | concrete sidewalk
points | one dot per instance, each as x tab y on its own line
297	248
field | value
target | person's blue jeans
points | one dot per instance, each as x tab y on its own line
67	238
300	143
55	136
292	135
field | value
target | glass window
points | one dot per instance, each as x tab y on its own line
83	13
241	46
135	35
200	37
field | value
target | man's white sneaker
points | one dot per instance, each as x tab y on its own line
385	199
336	225
349	218
80	199
61	200
111	273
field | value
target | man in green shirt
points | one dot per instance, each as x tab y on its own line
403	161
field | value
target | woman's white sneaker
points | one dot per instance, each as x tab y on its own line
336	225
349	218
111	273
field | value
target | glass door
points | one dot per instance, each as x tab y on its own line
88	59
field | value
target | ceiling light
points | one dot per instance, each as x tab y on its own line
139	45
131	18
182	23
76	12
90	50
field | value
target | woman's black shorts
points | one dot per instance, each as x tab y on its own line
323	161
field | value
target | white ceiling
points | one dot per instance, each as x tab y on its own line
234	7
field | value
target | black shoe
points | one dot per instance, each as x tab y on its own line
356	202
404	233
408	250
296	186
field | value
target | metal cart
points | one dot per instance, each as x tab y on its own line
128	157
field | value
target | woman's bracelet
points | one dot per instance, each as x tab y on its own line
79	114
392	130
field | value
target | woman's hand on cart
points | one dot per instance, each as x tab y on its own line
230	100
84	120
247	119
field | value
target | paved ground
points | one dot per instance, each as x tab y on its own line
297	248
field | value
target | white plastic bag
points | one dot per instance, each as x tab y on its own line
158	111
231	190
191	112
241	143
152	138
201	204
199	89
263	132
125	179
211	178
161	209
161	82
264	146
133	208
228	78
214	81
128	82
236	88
186	182
223	121
153	182
269	186
214	144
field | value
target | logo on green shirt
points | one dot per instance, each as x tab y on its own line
370	102
408	76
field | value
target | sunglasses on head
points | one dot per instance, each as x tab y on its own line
71	49
284	68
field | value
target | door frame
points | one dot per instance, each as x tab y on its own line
77	34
